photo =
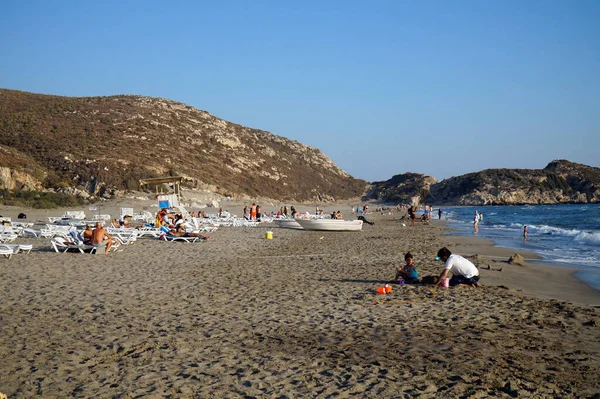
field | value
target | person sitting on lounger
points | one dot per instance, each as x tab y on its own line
87	235
179	231
100	238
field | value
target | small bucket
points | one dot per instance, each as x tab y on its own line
269	235
445	282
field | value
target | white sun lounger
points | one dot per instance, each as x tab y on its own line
7	252
124	236
7	237
16	248
167	237
60	244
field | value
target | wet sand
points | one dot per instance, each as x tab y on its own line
240	316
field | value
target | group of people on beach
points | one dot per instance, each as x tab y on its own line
464	272
98	237
427	215
173	224
253	213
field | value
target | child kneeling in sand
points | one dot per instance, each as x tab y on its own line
408	272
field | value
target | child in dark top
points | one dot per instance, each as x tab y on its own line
408	272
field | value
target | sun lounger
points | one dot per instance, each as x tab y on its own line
16	248
168	237
148	231
123	236
7	237
7	252
60	244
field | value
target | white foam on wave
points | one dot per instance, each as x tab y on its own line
576	261
589	238
585	237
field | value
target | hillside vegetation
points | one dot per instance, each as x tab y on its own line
104	145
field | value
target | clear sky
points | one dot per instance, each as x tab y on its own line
381	87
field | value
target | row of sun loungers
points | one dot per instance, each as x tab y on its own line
64	234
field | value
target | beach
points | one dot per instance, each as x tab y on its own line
240	316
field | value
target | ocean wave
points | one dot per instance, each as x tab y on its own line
576	261
585	237
589	238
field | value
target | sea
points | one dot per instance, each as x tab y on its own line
562	235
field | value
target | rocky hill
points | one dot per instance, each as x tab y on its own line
405	188
103	145
558	183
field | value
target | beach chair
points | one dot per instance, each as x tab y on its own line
16	248
123	236
27	232
148	231
79	215
170	237
7	237
206	229
7	252
61	244
178	238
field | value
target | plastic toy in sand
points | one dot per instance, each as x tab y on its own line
384	290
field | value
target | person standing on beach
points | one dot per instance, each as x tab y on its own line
525	232
253	211
440	213
412	214
464	272
476	222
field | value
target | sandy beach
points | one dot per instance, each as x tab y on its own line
240	316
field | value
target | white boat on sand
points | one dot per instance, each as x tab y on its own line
288	224
330	224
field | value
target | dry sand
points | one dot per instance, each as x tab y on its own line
297	316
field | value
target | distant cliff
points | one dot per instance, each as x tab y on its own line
103	145
405	188
560	182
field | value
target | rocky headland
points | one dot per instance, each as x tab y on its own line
560	182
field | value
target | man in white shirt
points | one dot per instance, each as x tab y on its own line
464	272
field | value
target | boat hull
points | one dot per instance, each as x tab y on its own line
330	224
288	224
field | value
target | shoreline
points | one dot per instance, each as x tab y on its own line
559	241
533	279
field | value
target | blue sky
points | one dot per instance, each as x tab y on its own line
382	87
